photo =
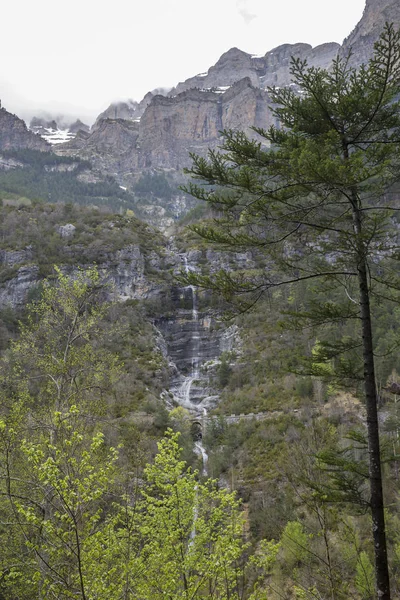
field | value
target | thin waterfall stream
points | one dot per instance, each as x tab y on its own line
184	394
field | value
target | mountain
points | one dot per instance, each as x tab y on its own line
160	131
14	134
57	131
362	38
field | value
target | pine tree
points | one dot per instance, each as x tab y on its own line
314	193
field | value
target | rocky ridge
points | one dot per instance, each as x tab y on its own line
161	130
14	134
361	40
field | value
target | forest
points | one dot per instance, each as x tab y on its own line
102	495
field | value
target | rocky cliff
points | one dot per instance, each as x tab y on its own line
14	134
135	264
170	128
162	129
364	35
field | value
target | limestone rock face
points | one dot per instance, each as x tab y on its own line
14	292
244	106
169	129
160	131
14	134
277	62
129	110
171	126
111	146
364	35
124	270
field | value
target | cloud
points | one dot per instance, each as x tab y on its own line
243	11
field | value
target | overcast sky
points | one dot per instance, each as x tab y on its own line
80	55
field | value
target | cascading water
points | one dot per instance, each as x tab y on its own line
184	392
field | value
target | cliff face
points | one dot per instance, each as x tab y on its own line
111	146
364	35
184	323
170	128
161	130
14	134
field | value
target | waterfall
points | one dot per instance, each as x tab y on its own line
184	392
186	387
200	450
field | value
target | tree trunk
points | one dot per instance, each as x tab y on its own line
375	473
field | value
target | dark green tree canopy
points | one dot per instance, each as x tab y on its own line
292	191
315	194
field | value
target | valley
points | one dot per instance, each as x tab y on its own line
182	370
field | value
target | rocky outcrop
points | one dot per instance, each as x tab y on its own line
14	134
7	163
169	129
129	110
160	131
78	126
364	35
277	62
124	272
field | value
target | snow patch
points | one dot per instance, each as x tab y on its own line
216	90
57	136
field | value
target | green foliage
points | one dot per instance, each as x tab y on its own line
311	195
295	545
364	580
53	178
153	184
69	477
58	347
192	532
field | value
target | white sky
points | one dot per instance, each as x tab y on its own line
80	55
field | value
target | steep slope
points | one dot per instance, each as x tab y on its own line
14	134
162	129
170	128
362	38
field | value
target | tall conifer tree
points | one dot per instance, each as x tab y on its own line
314	192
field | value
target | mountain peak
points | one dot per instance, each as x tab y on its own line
361	40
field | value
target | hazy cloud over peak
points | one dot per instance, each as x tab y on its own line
77	60
244	12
